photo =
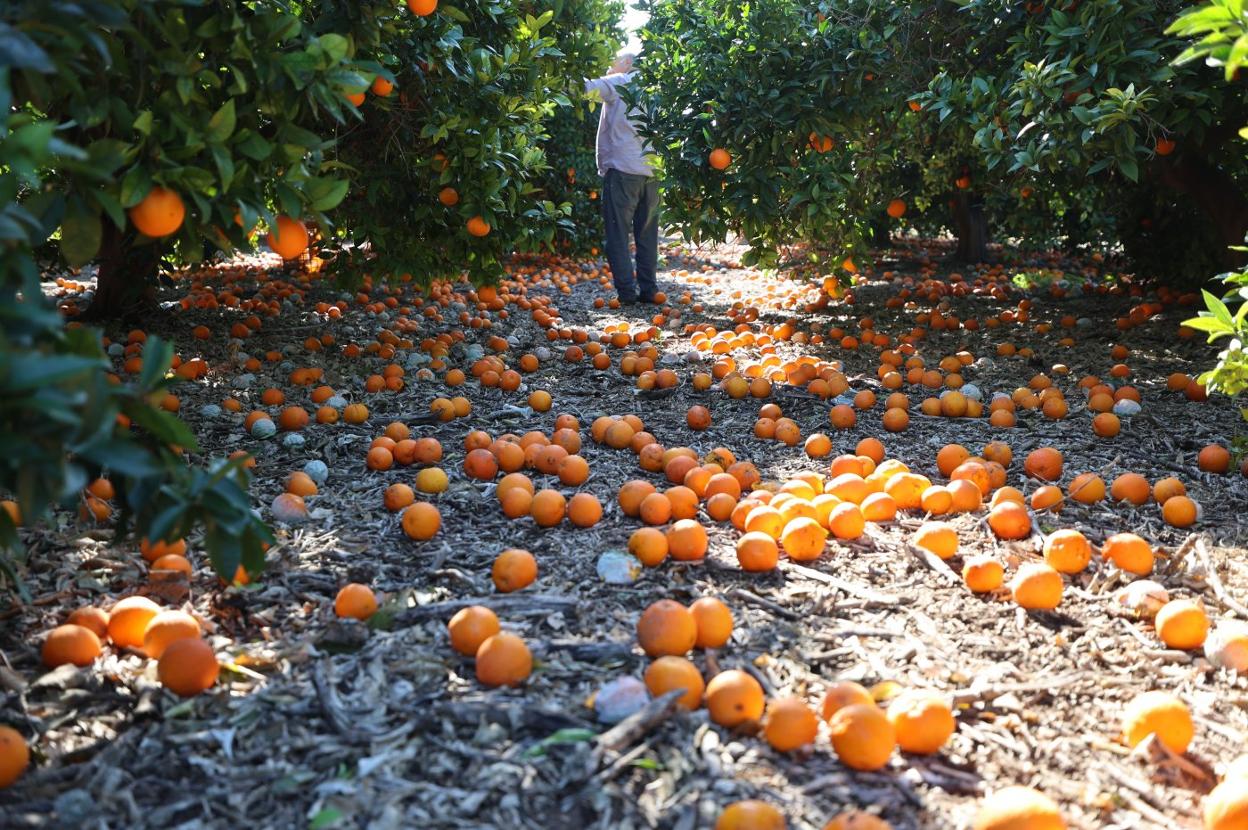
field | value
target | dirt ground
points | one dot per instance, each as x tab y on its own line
320	723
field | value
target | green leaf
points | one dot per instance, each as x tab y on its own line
255	147
1216	307
335	46
134	186
19	51
562	736
111	206
164	426
1209	325
325	194
157	358
119	456
221	125
1129	168
327	817
225	165
143	123
31	370
81	234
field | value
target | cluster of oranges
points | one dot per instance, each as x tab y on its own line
862	734
186	663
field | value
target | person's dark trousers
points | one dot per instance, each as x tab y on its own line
631	203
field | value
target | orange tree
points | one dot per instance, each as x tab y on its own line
448	155
1058	119
572	177
1084	97
130	130
171	124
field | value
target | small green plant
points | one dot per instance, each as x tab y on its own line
1219	322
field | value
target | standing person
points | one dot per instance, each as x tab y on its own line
630	194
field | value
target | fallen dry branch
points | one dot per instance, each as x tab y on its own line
637	725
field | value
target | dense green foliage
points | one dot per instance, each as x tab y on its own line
468	113
1066	122
1222	29
210	100
572	178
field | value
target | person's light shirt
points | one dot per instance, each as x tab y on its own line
618	146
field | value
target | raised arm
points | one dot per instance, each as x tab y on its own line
606	86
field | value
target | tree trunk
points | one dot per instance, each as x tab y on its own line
125	286
880	236
1211	192
972	228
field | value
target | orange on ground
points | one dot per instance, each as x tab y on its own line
1087	488
1225	808
734	697
757	551
1037	586
1130	487
649	545
1018	808
1010	520
1161	714
128	619
70	643
714	622
983	574
503	660
1182	624
803	539
470	627
1179	511
862	736
750	815
188	667
548	508
938	538
671	672
421	520
584	510
789	724
1067	551
513	569
686	541
1044	463
841	694
1167	488
922	722
88	616
857	820
666	627
846	521
15	757
355	601
1129	552
165	628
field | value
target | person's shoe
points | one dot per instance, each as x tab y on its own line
647	300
